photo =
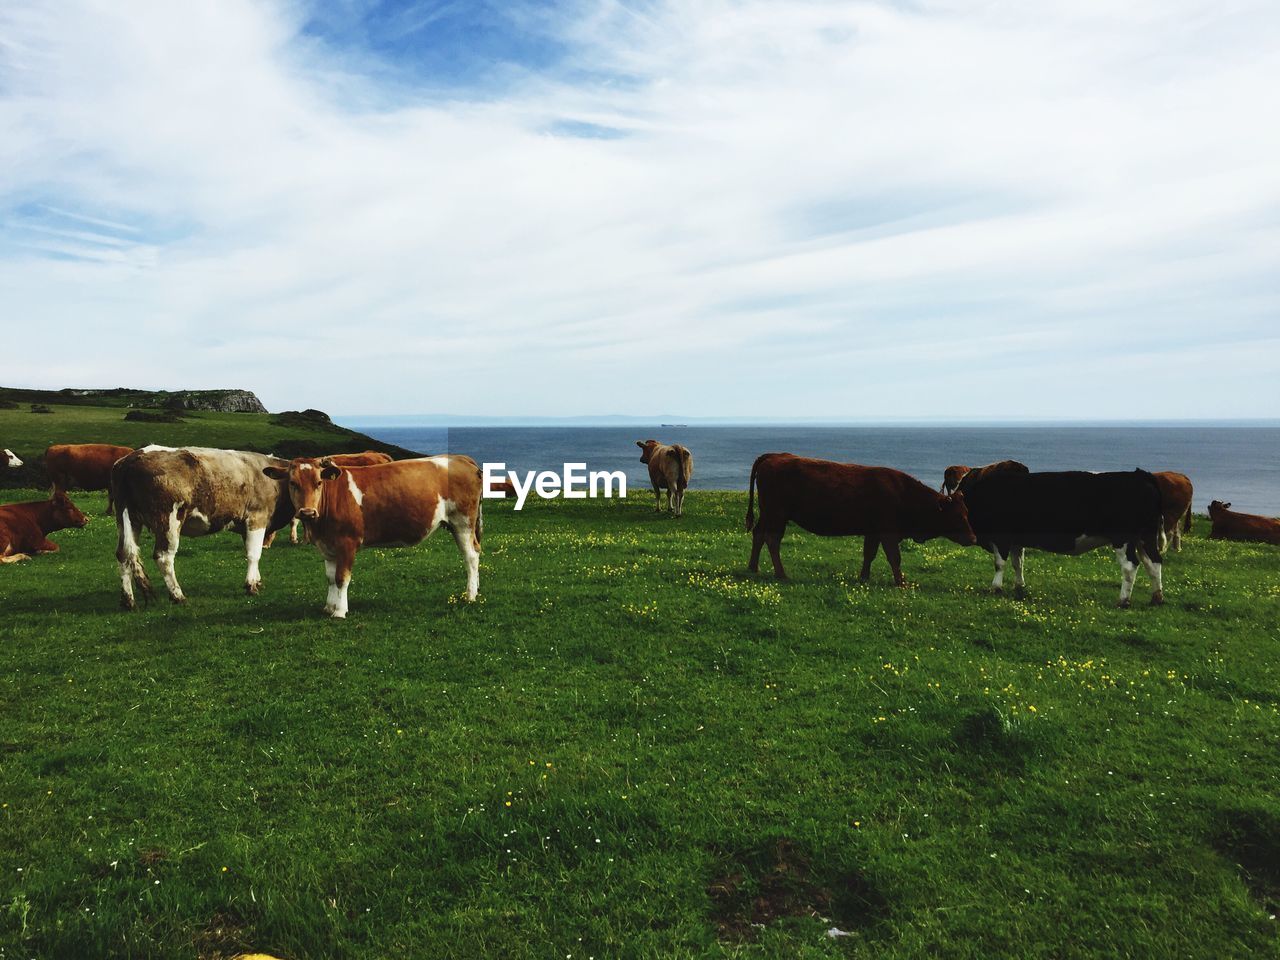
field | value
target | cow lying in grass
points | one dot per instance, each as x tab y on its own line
25	527
10	459
670	467
883	505
1247	527
345	509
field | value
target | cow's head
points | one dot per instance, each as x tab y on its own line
306	477
955	520
646	449
11	459
65	513
951	478
1218	507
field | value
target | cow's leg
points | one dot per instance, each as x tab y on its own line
253	553
127	555
997	584
757	541
678	501
331	573
1128	573
870	544
773	540
167	536
464	536
1155	570
894	556
1017	555
341	581
293	530
657	499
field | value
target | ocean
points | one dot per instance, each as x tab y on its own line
1240	464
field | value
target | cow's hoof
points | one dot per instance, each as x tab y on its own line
127	602
253	588
1019	593
178	597
997	591
338	615
1157	599
1124	604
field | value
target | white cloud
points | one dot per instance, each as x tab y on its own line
818	208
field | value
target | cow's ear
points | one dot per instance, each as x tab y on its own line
276	473
640	444
1227	505
330	472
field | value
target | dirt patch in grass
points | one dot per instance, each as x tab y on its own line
779	880
226	935
1250	838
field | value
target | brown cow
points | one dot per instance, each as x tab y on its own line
670	467
1175	504
952	476
881	504
83	466
1248	527
345	509
25	527
367	459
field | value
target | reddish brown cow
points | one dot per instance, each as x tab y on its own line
367	459
1175	504
394	504
953	476
881	504
25	527
83	466
670	467
1249	527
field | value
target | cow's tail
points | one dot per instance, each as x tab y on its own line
128	525
1186	520
751	496
1154	533
682	474
480	510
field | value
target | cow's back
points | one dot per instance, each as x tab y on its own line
401	501
1053	510
836	499
217	488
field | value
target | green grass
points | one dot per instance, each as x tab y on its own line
632	748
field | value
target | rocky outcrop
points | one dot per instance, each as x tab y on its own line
222	401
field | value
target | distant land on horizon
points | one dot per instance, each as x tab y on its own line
357	421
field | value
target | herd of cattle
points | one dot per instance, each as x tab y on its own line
346	502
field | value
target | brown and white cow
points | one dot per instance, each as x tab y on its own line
345	509
367	459
1175	503
883	505
11	459
25	527
194	491
952	476
83	466
1247	527
670	467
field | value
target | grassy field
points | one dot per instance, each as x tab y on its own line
632	748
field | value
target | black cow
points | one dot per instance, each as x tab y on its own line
1069	512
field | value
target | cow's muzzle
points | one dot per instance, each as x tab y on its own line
306	513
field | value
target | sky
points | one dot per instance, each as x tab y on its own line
994	209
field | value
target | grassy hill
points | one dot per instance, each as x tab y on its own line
630	748
76	420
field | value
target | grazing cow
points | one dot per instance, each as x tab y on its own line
367	459
25	527
1069	512
883	505
83	466
193	491
393	504
952	476
670	467
1175	501
1248	527
11	459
